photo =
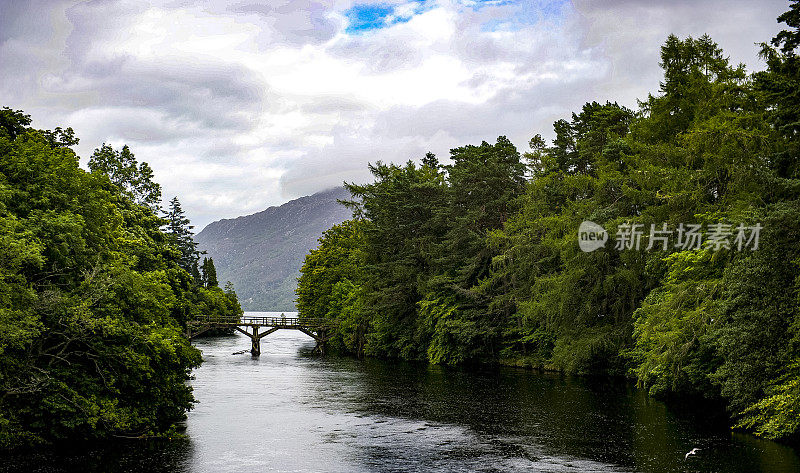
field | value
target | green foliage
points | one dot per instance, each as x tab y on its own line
92	300
180	231
672	326
400	233
472	262
214	301
452	337
132	178
230	293
761	303
777	414
780	86
325	288
209	277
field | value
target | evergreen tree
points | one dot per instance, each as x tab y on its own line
761	341
331	285
483	185
469	262
780	85
197	277
209	277
202	278
430	160
229	289
400	233
180	230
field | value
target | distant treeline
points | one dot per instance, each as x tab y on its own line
95	292
479	261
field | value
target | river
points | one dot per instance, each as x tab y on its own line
291	411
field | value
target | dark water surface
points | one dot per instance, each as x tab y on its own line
290	411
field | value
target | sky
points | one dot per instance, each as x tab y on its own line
241	105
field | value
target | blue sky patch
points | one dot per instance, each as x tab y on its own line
373	16
367	17
525	13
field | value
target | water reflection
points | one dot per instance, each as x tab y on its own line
291	411
125	456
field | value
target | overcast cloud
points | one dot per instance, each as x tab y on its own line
241	105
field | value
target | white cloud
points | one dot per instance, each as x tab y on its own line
241	105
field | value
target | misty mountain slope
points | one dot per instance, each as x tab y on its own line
262	253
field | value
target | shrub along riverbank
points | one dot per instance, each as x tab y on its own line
478	260
95	292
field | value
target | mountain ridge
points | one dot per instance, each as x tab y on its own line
261	253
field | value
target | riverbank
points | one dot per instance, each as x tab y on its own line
288	410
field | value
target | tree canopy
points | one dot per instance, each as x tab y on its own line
93	295
477	260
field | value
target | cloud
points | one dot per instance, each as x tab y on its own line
630	33
239	105
296	22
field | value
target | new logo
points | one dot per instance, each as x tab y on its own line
591	236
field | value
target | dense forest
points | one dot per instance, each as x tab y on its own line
96	287
478	260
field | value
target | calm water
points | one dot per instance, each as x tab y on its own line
290	411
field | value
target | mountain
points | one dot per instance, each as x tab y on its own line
262	253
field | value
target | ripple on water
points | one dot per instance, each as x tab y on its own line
290	411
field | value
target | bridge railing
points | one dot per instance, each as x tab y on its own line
265	321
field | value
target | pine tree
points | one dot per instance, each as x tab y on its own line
229	290
209	277
780	86
195	272
181	232
430	160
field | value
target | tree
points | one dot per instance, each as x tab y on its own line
209	277
230	293
180	231
483	186
430	160
469	262
13	123
780	86
130	177
775	415
579	143
400	233
331	286
197	277
91	343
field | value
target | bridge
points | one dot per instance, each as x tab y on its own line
251	326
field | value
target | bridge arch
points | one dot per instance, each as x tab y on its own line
251	326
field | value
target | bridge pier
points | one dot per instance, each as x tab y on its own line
255	337
256	340
314	328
